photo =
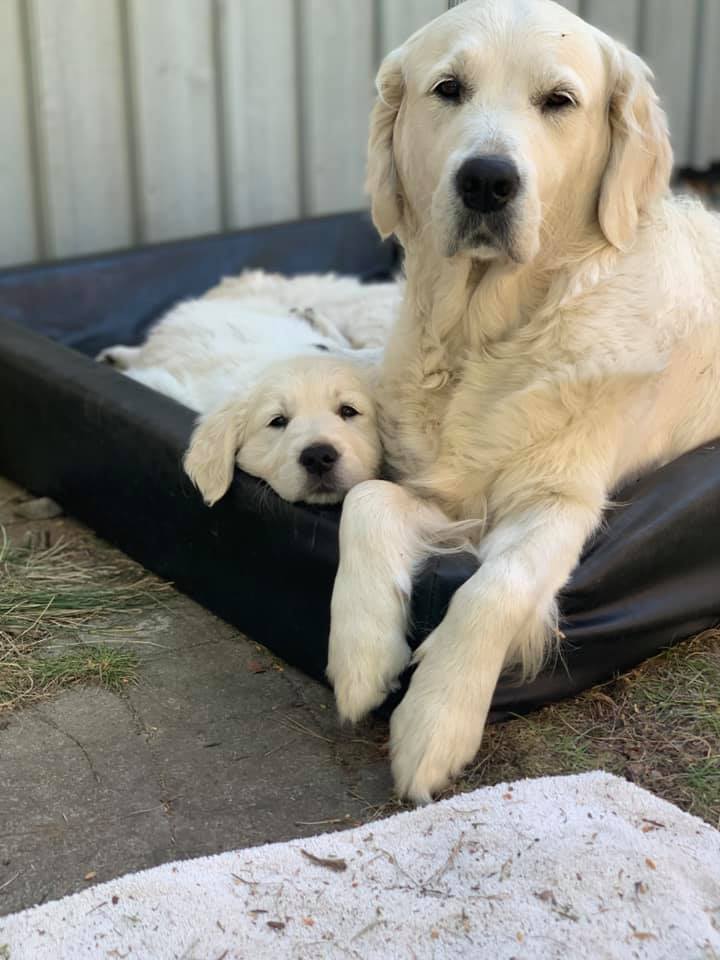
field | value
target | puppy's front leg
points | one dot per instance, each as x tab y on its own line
381	546
501	615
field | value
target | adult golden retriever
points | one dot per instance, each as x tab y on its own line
560	333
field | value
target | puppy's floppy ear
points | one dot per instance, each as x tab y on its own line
382	183
640	161
210	458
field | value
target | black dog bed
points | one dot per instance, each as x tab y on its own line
109	451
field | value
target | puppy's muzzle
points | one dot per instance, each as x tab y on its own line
487	184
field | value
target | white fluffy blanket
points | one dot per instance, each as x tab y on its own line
585	866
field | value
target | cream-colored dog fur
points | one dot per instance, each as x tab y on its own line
359	315
268	362
539	360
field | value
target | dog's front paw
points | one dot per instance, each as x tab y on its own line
437	728
367	654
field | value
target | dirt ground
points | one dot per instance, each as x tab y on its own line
136	728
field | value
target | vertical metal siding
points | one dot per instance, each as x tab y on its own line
258	110
129	121
337	66
173	86
79	110
18	218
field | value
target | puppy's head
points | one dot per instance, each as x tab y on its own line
507	124
308	428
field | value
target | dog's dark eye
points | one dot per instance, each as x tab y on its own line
448	90
278	423
347	412
556	101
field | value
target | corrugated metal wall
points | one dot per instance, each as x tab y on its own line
133	121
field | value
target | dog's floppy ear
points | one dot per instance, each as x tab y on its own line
210	458
383	184
640	161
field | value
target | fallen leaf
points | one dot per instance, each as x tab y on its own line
331	863
640	935
115	900
519	937
90	876
651	863
547	896
308	921
434	935
276	924
256	666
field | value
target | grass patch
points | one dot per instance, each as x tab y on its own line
51	598
65	586
25	679
113	668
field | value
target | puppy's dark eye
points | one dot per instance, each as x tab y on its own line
556	101
448	90
278	423
347	412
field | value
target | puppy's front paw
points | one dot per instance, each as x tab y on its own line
367	654
437	728
118	356
107	356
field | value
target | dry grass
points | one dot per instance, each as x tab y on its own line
53	597
658	726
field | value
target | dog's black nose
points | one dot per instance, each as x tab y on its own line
319	458
487	184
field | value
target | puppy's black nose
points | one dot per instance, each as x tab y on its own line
319	458
487	184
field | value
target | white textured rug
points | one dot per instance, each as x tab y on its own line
566	867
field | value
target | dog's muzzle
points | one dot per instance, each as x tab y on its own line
486	187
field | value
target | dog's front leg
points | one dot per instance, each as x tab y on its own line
381	545
500	616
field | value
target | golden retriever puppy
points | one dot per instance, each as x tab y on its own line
280	396
354	314
306	425
560	333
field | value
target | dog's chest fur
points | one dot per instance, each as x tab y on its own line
469	396
449	370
